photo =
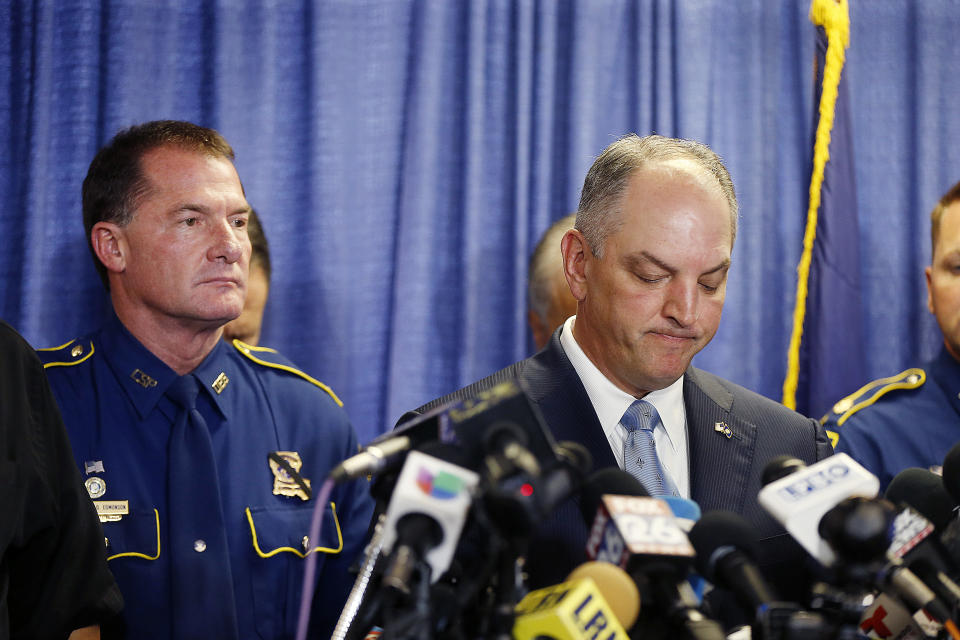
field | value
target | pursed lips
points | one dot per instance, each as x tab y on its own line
674	335
221	280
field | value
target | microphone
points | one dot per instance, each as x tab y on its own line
925	492
427	512
951	472
504	410
373	459
641	534
572	610
858	531
616	587
725	543
800	499
925	507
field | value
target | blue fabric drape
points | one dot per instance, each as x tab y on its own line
405	155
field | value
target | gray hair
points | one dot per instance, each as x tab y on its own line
543	266
598	214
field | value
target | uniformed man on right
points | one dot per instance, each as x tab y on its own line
913	419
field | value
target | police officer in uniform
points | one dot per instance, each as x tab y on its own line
204	459
913	419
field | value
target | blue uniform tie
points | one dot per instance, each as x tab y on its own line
640	452
202	583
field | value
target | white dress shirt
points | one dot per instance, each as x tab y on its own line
610	402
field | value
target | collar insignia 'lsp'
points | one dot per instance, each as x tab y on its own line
283	483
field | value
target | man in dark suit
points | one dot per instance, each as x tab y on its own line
647	261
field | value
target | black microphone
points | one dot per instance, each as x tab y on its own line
491	420
950	536
926	516
926	492
858	530
373	459
725	545
951	473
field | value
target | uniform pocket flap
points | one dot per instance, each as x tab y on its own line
287	530
136	535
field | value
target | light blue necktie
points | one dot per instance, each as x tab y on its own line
640	452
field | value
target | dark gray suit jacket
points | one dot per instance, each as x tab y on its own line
725	472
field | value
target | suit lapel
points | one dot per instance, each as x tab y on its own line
553	384
722	446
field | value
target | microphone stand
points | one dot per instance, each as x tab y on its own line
362	583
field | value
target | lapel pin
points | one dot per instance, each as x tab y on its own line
721	427
93	466
96	487
220	383
143	379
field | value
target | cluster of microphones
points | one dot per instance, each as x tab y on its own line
464	488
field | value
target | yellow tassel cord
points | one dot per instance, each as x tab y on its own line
834	17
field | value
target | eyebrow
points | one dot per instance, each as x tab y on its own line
634	260
199	208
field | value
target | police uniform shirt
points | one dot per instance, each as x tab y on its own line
908	420
111	391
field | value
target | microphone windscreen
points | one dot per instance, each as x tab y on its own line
718	529
951	472
615	585
926	492
781	467
608	481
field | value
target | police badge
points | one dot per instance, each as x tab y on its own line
287	480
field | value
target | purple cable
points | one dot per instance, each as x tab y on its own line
306	597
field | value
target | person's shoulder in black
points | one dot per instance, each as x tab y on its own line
52	556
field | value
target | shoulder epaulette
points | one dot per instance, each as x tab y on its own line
268	357
66	355
873	391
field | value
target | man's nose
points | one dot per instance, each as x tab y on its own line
227	244
681	302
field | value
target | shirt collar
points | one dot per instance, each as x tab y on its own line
215	373
144	378
610	401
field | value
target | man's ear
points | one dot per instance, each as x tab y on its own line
575	252
928	272
109	245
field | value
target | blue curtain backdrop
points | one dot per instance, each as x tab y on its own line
405	155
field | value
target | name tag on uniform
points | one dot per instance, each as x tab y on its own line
112	510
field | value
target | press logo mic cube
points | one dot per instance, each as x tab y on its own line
628	526
439	489
799	500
